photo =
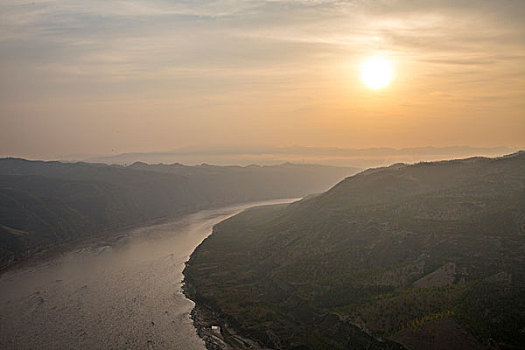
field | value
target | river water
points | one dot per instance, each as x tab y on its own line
119	295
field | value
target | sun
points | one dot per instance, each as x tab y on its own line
376	72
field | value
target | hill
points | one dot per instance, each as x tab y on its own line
43	204
422	256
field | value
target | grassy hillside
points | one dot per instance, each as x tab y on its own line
431	256
46	203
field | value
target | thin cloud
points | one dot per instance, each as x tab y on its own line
235	59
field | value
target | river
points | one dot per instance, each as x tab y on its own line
123	294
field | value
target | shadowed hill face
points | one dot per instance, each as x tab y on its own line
45	203
396	252
267	181
386	184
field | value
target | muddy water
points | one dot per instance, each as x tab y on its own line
126	294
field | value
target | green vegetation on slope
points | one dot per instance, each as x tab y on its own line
427	255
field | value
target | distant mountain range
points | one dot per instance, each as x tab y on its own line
362	158
43	204
422	256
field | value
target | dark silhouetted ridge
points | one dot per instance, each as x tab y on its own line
427	255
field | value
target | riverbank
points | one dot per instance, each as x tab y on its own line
212	326
103	237
239	307
110	236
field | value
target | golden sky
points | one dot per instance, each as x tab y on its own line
99	77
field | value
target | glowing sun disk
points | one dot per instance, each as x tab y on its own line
376	72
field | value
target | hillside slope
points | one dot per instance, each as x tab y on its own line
46	203
430	255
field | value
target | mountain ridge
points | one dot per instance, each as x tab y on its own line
53	202
399	252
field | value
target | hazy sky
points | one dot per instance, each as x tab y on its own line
103	77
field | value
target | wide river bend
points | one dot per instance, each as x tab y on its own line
118	295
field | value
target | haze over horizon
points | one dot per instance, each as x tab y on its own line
261	155
150	76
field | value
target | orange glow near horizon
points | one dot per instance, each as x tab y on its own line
157	76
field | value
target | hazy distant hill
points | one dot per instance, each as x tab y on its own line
46	203
430	255
236	183
363	158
